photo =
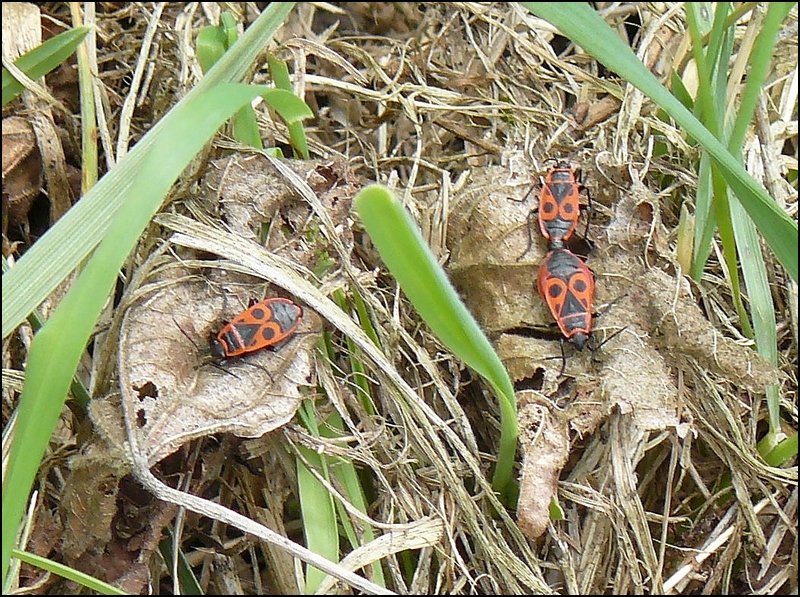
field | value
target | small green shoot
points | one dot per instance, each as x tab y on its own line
212	43
297	133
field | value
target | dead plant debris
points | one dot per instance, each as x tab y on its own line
646	446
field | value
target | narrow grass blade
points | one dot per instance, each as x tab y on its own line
754	270
585	27
183	573
41	60
75	235
90	582
422	279
760	60
319	515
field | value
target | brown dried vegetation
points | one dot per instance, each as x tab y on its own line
647	445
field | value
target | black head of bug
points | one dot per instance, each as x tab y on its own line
579	340
217	348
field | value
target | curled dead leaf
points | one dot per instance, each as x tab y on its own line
545	447
258	203
491	262
175	392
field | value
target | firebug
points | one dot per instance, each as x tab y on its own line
559	205
264	324
567	286
559	202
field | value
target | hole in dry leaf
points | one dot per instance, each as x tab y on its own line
534	382
141	418
108	487
559	43
644	211
146	390
39	216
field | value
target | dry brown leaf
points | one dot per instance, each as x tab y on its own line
175	391
22	171
544	444
254	197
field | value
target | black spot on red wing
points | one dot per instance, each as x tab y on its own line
580	285
268	333
548	207
534	382
567	208
257	313
554	291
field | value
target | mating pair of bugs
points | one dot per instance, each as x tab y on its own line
565	283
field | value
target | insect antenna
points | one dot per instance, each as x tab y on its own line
200	350
609	338
607	306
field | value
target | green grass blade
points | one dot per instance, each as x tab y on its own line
210	46
56	350
585	27
760	61
212	43
288	106
784	452
85	580
754	269
323	513
187	581
714	100
228	26
90	130
706	221
358	374
245	128
346	475
76	388
762	307
423	281
319	514
76	234
42	59
297	133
